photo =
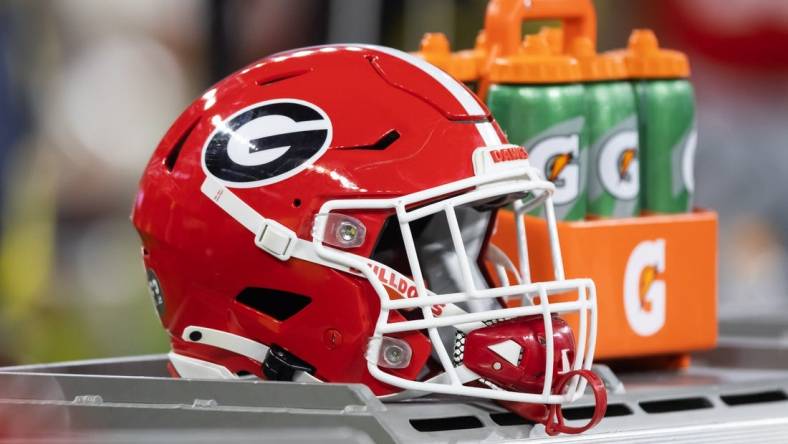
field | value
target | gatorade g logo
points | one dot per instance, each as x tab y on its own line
618	167
557	157
266	142
644	291
688	161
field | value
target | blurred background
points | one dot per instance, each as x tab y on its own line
88	87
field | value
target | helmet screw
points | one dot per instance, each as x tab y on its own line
496	365
347	231
332	338
393	354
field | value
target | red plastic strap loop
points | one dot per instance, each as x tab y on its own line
554	422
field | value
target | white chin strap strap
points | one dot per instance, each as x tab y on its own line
193	368
269	235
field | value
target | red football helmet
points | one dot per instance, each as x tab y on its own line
325	215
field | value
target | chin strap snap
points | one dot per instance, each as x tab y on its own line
551	415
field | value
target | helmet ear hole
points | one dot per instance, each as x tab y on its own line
278	304
175	151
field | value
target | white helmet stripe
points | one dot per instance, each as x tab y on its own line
489	135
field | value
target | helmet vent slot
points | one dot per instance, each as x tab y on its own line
281	76
278	304
381	144
172	156
385	141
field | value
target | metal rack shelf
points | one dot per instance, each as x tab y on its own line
736	393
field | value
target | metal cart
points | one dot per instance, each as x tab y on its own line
736	393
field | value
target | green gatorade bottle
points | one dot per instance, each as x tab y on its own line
611	129
666	123
536	97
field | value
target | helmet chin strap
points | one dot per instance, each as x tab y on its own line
193	368
269	235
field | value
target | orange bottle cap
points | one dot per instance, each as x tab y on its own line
436	50
595	66
555	38
644	58
480	52
535	63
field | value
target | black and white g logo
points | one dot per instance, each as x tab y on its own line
266	142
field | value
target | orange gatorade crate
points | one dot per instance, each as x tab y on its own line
655	276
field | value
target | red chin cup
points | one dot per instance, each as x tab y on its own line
513	353
552	415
